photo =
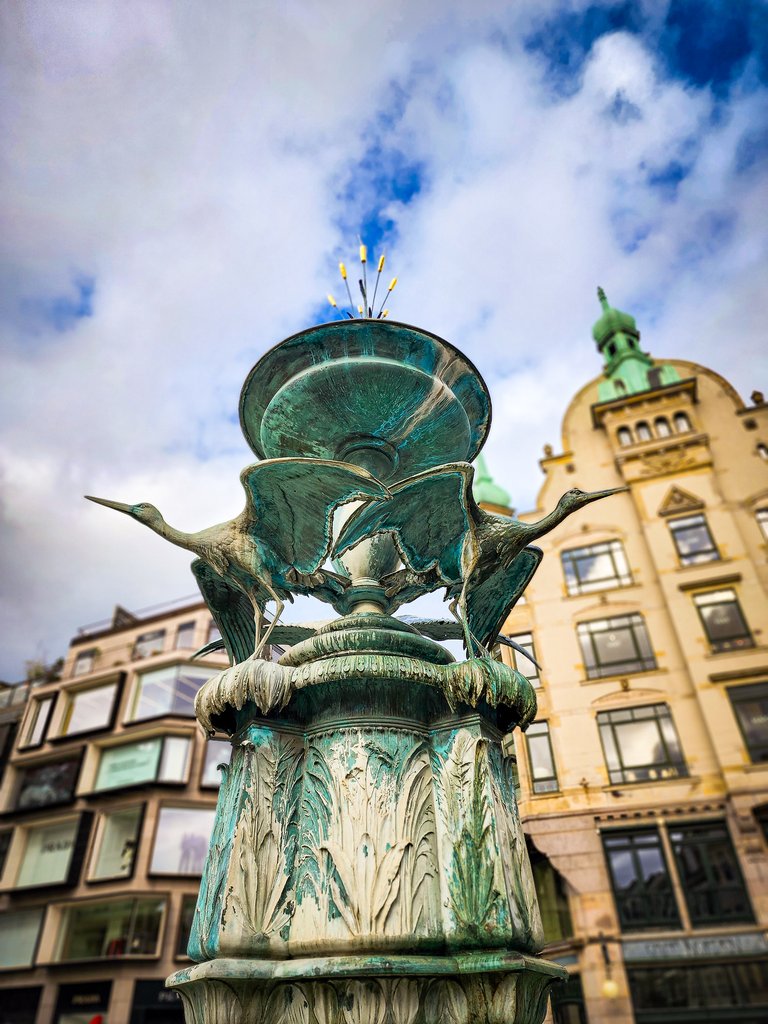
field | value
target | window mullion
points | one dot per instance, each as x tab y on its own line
674	875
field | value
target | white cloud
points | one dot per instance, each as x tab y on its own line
190	158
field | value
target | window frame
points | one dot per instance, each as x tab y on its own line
544	783
68	697
64	909
74	757
147	637
716	890
135	694
93	653
190	627
625	436
613	836
727	644
642	428
761	517
82	821
201	783
746	694
36	945
702	555
608	726
33	712
97	839
156	780
681	417
579	586
588	630
194	807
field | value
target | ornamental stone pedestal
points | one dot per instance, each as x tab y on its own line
367	864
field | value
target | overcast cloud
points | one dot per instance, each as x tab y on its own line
180	178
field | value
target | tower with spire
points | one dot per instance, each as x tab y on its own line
627	370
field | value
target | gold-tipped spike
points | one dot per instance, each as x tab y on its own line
381	263
363	253
392	284
385	313
360	310
343	271
332	301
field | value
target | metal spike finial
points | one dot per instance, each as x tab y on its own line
602	297
365	309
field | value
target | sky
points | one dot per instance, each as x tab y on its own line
179	180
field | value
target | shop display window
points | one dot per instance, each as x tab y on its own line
117	839
181	840
111	929
19	930
159	759
47	784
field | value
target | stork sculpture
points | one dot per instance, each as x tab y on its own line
441	532
273	549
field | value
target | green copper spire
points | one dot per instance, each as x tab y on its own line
485	488
627	369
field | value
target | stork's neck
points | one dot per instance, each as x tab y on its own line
549	522
177	537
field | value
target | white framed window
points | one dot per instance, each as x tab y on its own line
181	841
159	759
89	709
36	723
600	566
115	843
170	690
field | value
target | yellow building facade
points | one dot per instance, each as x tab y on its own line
644	781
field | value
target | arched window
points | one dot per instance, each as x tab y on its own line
762	451
624	435
682	423
662	427
643	431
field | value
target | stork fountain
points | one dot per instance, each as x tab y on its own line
367	863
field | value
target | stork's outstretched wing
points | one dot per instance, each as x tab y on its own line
290	504
489	602
231	610
429	516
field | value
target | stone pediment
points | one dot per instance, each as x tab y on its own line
677	500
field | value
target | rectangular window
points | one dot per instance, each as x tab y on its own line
216	752
640	878
717	992
168	691
641	744
693	541
524	665
181	840
615	646
117	839
84	662
49	852
723	621
37	721
185	636
88	710
186	918
160	759
19	930
710	874
597	567
750	705
541	759
114	928
5	843
147	644
45	785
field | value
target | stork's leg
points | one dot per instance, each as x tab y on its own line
279	605
258	618
457	608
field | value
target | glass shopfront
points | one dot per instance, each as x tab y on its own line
673	993
83	1003
153	1003
19	1005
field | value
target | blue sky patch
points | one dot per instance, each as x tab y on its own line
62	312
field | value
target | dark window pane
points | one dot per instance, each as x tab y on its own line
115	928
710	874
543	774
705	987
693	540
615	646
186	918
48	784
641	883
640	744
750	705
524	665
723	621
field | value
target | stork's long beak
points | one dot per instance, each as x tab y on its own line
596	495
111	504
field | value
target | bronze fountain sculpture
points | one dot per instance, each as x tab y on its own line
367	863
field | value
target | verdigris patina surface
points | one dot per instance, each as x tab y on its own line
367	864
